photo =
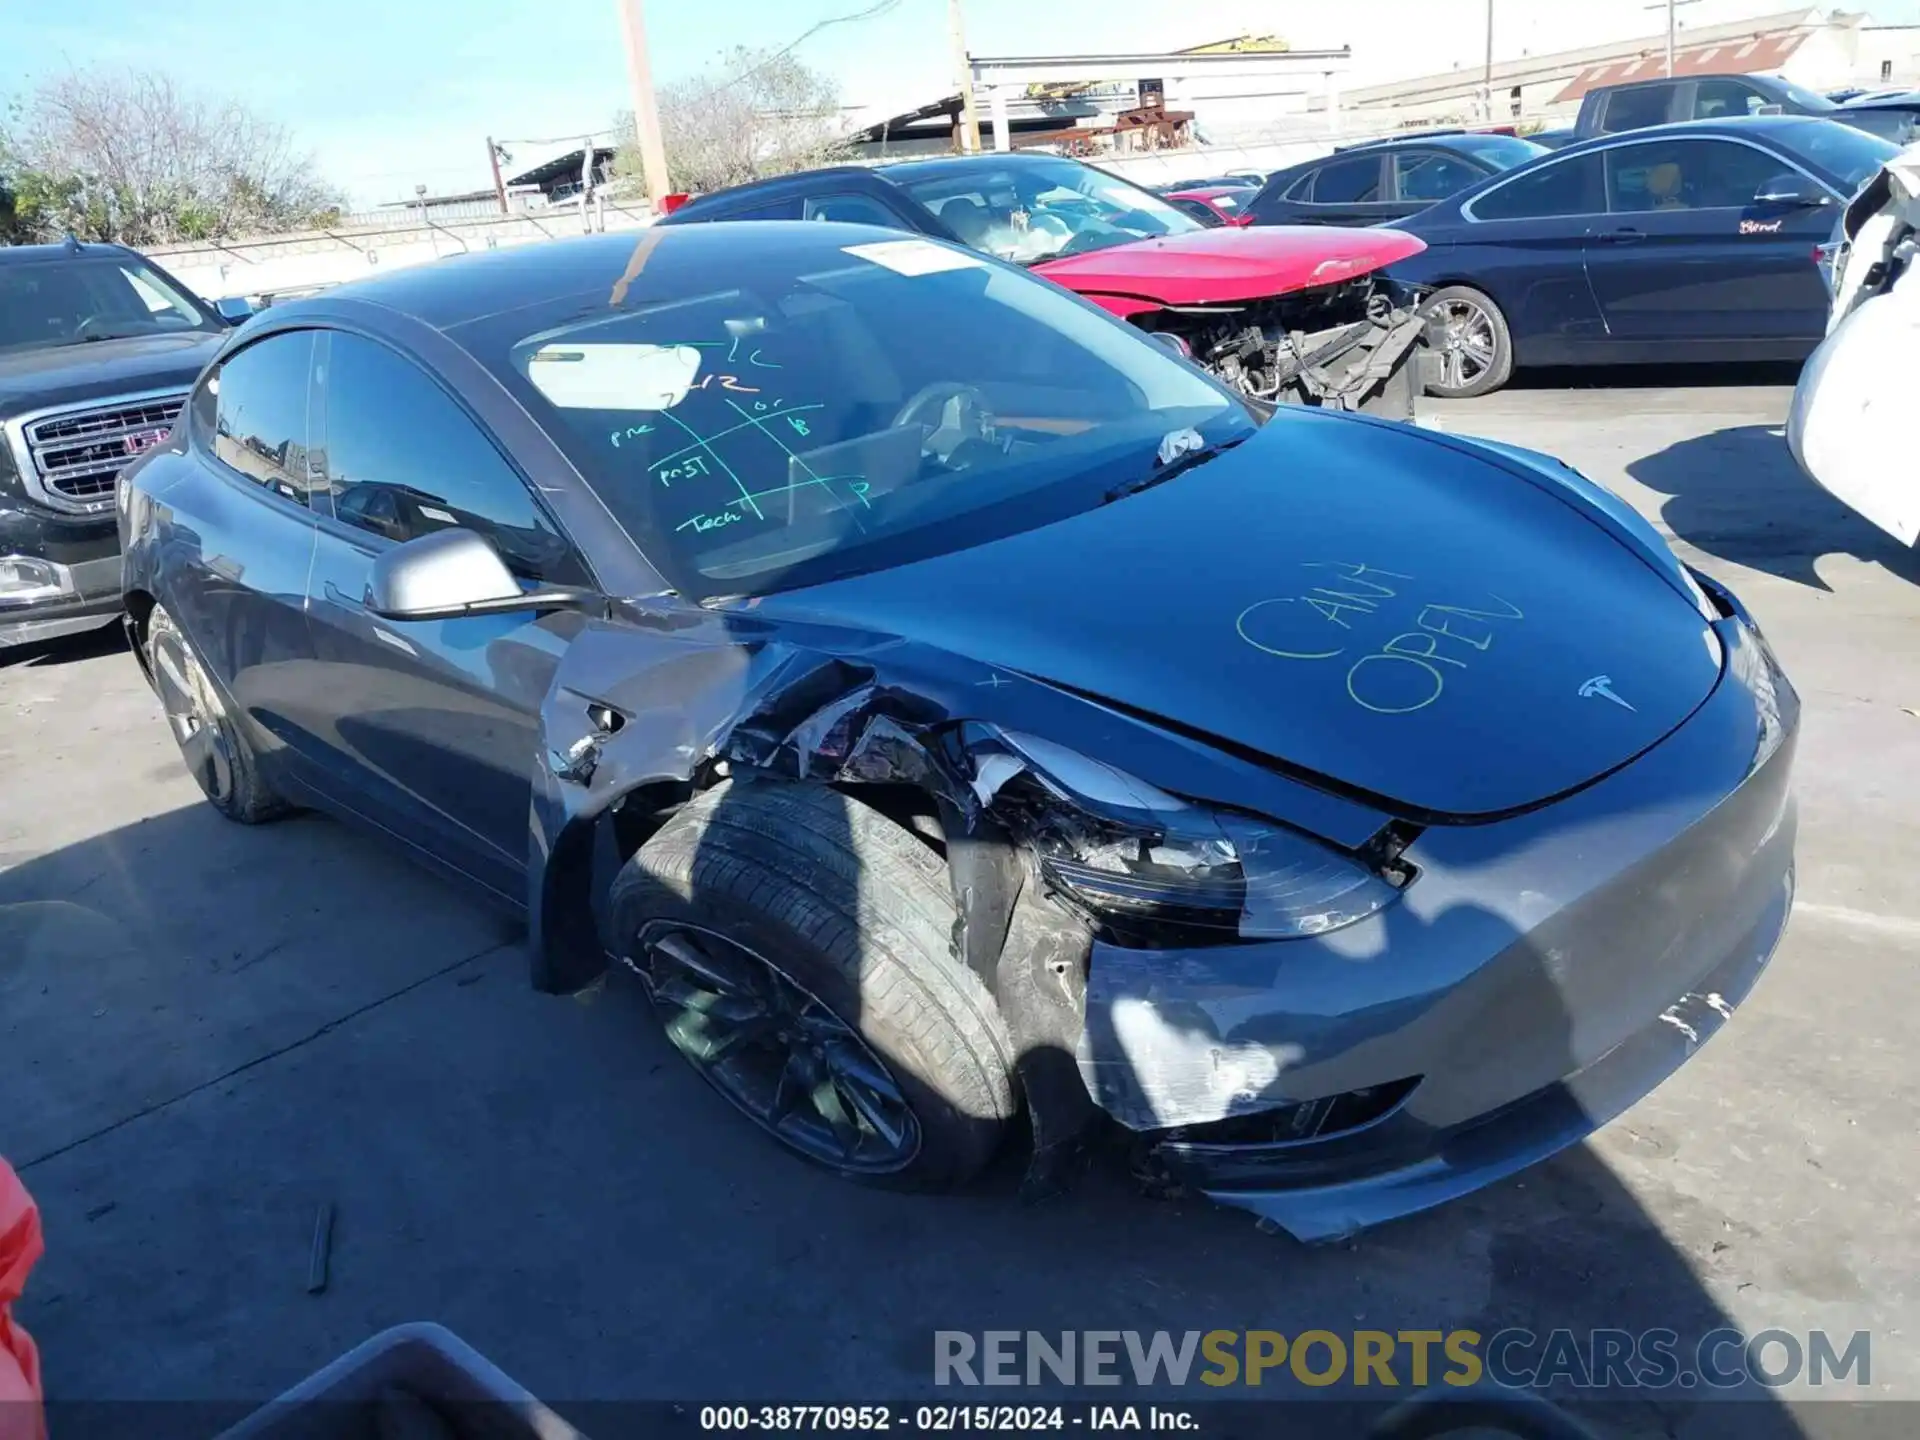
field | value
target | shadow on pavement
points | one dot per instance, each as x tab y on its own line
1655	377
66	649
1737	494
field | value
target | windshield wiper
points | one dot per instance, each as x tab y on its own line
1164	471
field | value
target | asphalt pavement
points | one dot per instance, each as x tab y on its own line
208	1032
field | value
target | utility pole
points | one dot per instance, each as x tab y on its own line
1670	6
963	68
646	114
1486	76
499	185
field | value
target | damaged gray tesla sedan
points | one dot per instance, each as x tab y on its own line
949	702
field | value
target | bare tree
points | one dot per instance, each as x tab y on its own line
137	159
756	113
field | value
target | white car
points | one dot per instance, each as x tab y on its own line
1852	411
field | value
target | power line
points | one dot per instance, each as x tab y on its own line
872	12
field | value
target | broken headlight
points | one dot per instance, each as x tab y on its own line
1144	862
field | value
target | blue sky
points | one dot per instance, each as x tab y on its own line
388	94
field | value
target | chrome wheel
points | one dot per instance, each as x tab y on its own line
192	711
778	1052
1467	351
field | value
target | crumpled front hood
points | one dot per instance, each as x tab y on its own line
73	374
1438	629
1231	263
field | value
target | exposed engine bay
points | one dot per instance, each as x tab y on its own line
1347	346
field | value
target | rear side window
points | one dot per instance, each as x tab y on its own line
787	208
258	400
403	459
1637	109
1566	187
1348	182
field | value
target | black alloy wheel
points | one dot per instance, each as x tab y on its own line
778	1052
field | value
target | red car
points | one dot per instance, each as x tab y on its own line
1281	314
1213	204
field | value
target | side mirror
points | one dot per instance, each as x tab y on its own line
1793	190
454	573
234	310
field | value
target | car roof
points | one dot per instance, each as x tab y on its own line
65	250
1774	80
1734	126
1438	139
461	288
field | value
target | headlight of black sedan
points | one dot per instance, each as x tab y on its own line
1154	868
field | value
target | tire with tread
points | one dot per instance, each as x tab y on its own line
858	912
248	799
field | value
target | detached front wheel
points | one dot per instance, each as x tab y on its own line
797	948
1473	351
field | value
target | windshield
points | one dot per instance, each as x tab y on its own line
788	411
71	301
1850	156
1034	210
1503	152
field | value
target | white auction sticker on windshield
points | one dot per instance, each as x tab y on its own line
915	257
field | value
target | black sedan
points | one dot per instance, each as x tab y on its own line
1688	242
1386	180
1354	813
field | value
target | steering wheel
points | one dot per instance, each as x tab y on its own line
952	413
86	329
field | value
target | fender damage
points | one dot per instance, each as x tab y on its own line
621	749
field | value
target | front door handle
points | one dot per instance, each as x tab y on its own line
1623	236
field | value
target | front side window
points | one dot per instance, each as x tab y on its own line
70	301
403	460
1686	175
1432	175
777	414
1348	182
1041	209
259	402
1499	152
1637	109
853	210
1566	187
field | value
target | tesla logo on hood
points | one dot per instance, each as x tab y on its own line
1602	685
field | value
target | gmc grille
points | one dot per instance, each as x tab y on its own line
78	454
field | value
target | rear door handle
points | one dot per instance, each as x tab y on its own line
1622	236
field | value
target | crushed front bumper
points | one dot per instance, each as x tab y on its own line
1542	974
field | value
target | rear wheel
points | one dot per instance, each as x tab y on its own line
1474	351
216	753
797	948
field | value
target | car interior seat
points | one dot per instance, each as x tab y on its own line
968	219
